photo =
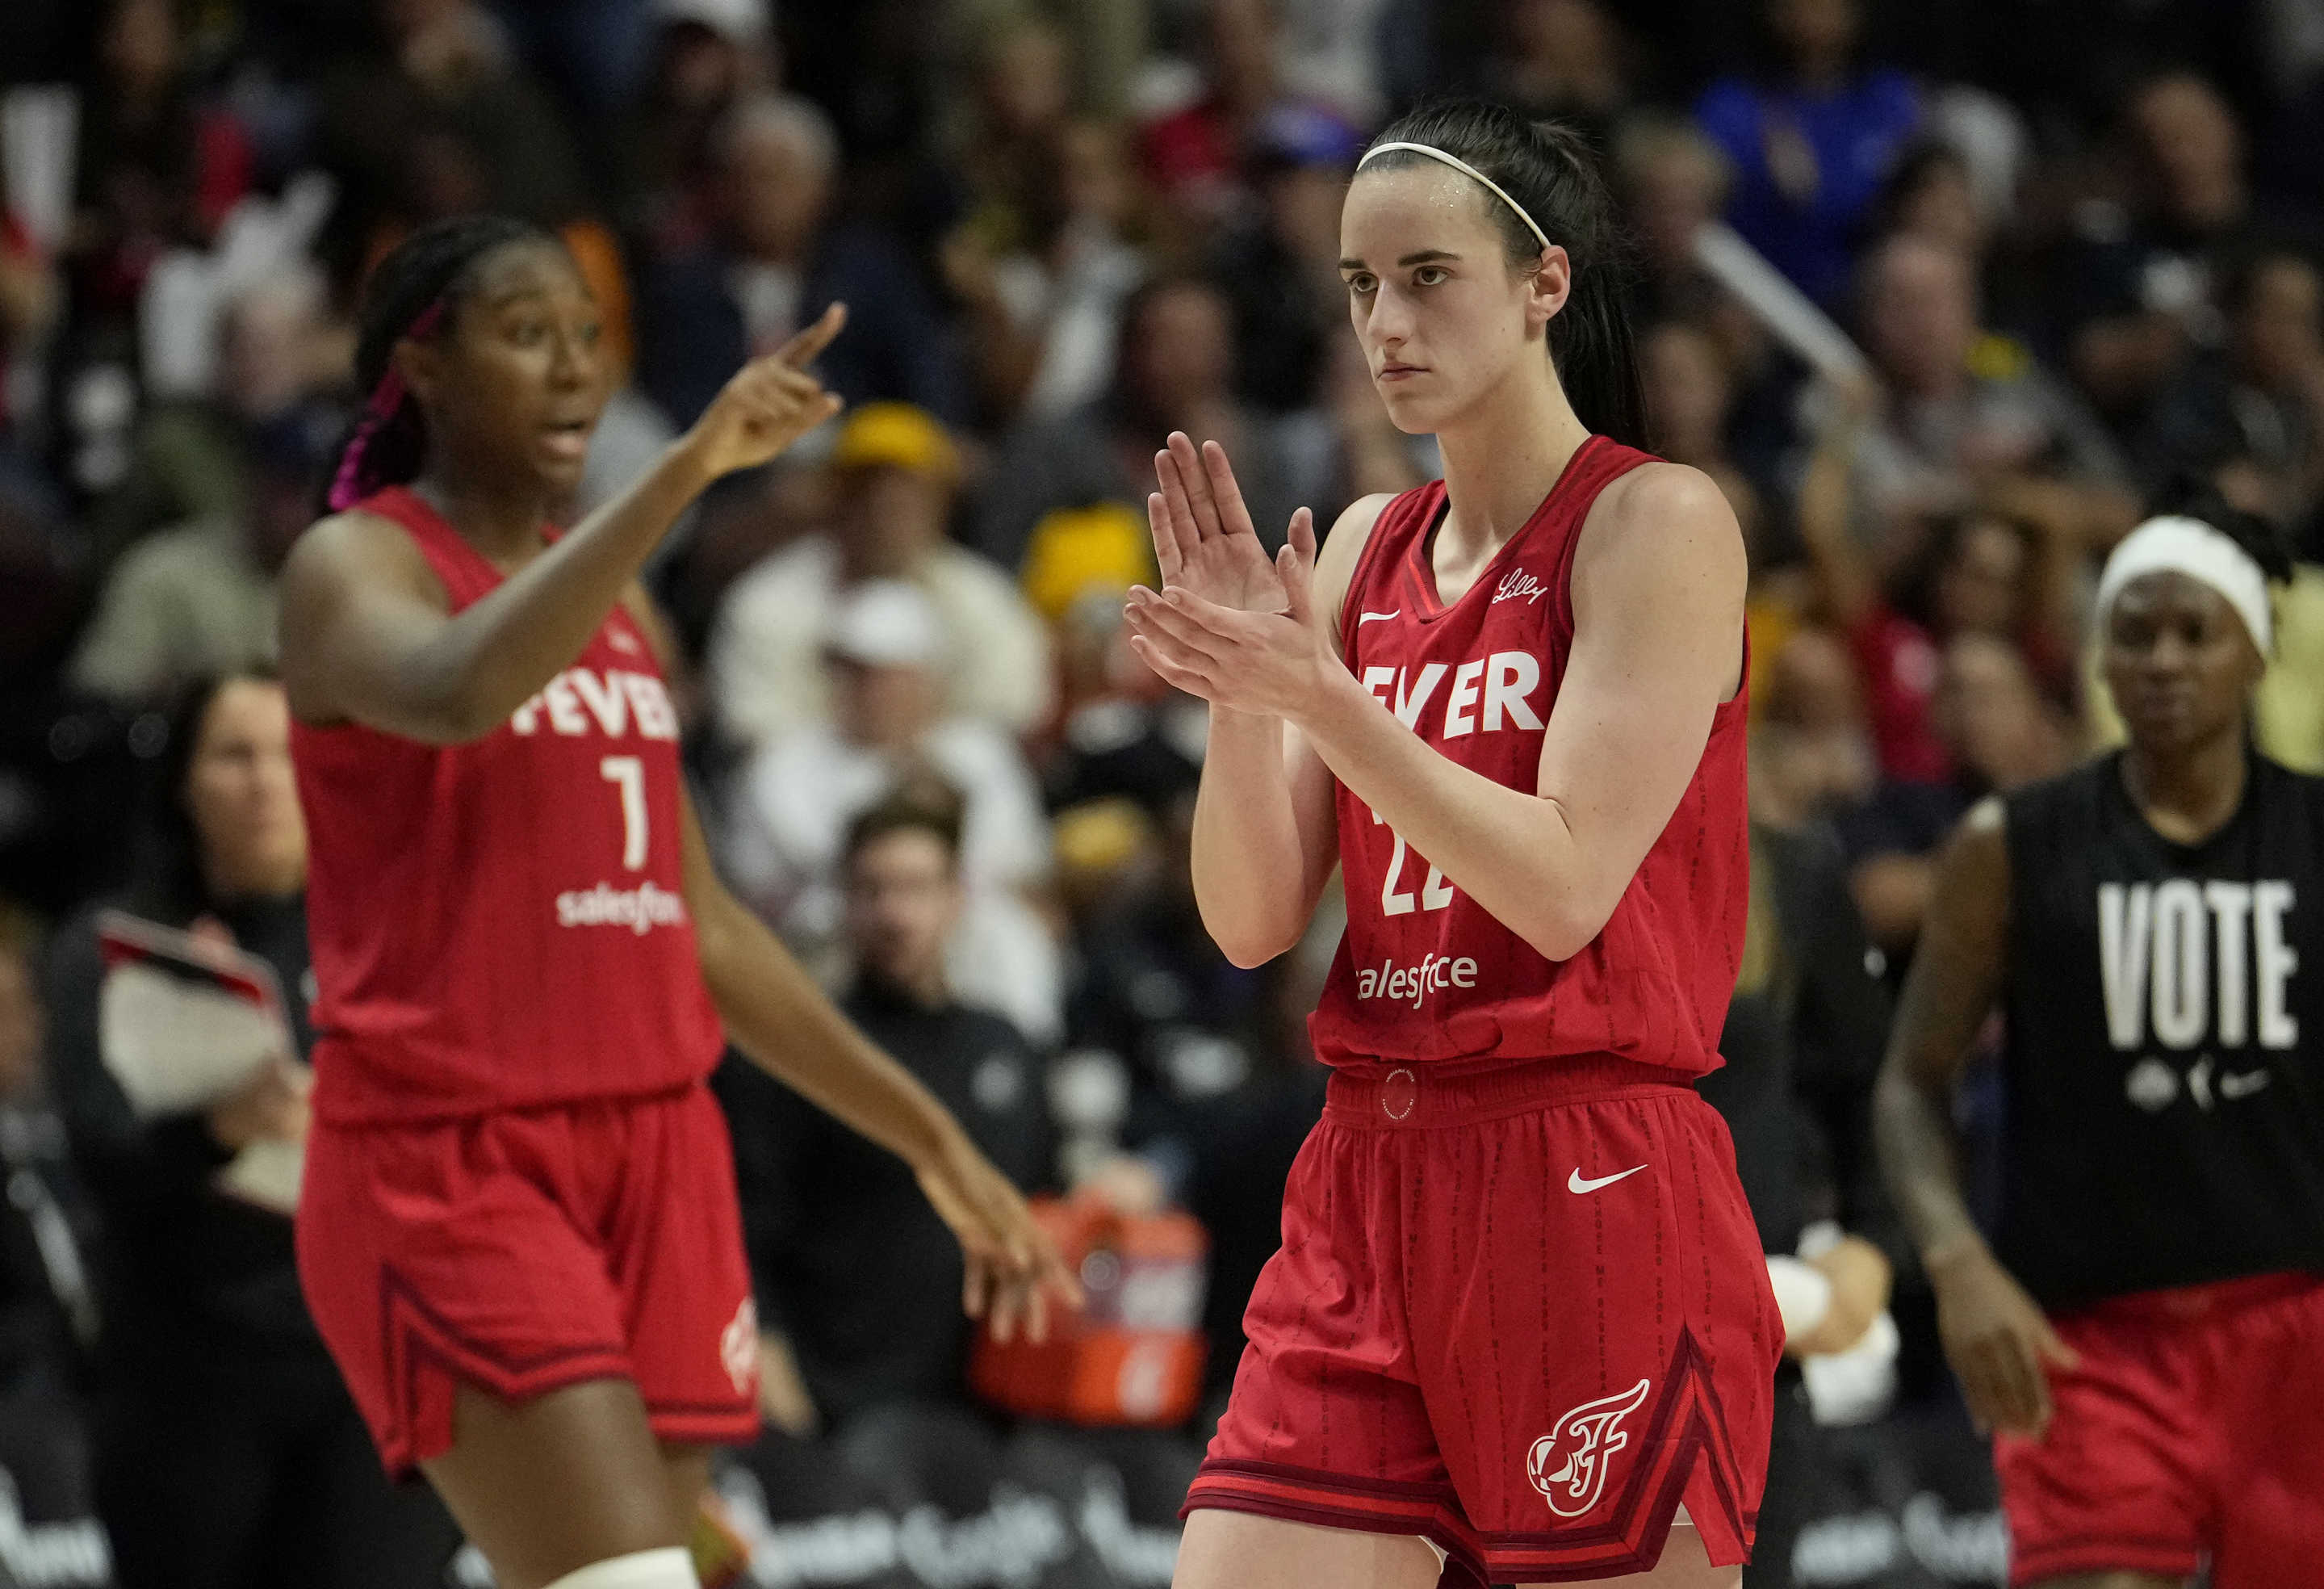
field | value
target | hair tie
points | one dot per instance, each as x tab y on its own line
348	484
1465	168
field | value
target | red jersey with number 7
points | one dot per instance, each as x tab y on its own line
1427	974
503	924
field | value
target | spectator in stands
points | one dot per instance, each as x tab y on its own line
228	1453
1984	574
1565	59
2140	290
787	811
199	599
897	473
705	57
858	1282
1998	734
48	1315
768	263
1279	264
1688	396
2258	399
279	359
449	119
1812	754
31	296
1809	142
158	165
1175	373
1043	280
1970	419
1194	155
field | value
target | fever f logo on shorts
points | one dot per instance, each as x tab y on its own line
1586	1437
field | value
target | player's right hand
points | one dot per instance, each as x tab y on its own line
2000	1344
1203	539
1013	1270
770	402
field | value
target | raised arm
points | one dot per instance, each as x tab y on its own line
1658	609
1265	837
1993	1334
782	1023
367	633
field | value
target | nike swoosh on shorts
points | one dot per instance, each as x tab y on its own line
1574	1183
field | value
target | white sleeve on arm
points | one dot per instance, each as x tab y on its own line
1802	1294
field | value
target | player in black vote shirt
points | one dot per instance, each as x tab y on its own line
2143	1334
858	1281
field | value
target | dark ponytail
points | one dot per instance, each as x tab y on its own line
1549	168
410	293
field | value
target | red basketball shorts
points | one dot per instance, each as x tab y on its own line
526	1251
2193	1429
1521	1312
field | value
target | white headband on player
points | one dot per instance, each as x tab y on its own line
2178	545
1466	170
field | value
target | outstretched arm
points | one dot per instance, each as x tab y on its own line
1658	609
1993	1334
367	635
781	1021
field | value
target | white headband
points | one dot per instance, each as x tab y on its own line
1465	168
2189	546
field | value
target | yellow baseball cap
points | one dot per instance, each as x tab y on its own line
1104	547
898	435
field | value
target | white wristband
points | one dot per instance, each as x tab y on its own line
1802	1294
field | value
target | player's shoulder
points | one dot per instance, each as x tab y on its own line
358	547
1353	531
1656	500
1655	519
1337	560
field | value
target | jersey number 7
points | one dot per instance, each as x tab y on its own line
630	774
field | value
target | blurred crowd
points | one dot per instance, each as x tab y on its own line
2077	243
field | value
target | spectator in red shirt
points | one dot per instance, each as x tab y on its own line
1194	156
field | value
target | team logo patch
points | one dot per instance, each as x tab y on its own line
1568	1465
738	1347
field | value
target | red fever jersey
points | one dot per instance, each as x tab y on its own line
1424	973
503	924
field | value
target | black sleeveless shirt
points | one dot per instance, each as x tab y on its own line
2164	1112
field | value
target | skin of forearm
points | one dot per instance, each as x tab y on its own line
779	1019
1912	1128
493	656
1509	850
1246	846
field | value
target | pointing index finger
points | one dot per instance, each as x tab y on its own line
801	350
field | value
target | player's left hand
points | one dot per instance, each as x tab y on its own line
1276	664
1014	1272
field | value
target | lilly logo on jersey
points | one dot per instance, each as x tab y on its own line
1415	983
1485	692
615	700
1516	585
1586	1437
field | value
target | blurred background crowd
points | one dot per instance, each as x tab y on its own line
2075	240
